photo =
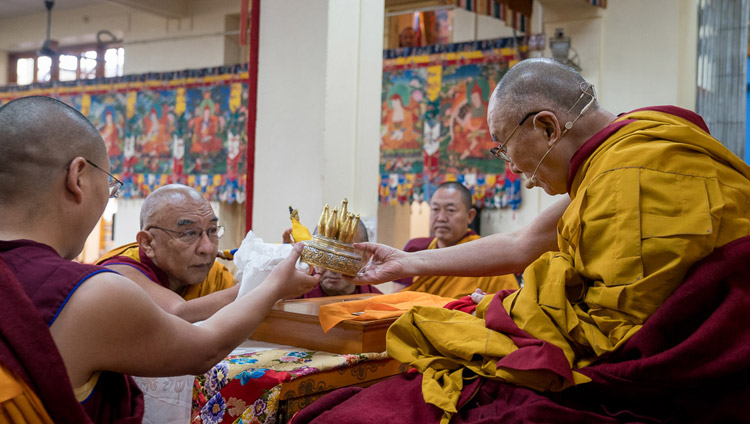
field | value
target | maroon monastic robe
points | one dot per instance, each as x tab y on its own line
690	362
36	284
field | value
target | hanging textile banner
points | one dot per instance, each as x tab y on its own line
515	13
434	121
185	127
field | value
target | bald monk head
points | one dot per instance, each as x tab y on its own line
179	233
536	103
53	174
451	212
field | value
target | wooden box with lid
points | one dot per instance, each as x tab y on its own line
295	323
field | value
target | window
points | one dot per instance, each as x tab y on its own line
114	59
73	63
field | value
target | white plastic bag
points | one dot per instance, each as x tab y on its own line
255	260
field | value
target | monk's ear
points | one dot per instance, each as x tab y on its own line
472	214
547	122
145	242
73	179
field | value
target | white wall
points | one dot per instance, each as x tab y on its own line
126	221
637	52
468	26
156	44
352	122
153	43
318	110
291	96
648	54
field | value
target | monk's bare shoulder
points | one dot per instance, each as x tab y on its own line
106	320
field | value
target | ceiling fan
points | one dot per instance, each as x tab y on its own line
49	46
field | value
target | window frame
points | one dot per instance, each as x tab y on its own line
73	50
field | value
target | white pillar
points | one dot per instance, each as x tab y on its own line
317	138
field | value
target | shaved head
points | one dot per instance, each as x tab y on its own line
172	194
40	136
461	189
537	84
361	236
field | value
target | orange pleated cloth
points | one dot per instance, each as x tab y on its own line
376	307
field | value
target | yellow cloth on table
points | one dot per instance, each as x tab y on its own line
455	287
376	307
623	250
18	403
219	277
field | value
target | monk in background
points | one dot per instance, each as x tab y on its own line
72	332
451	213
174	257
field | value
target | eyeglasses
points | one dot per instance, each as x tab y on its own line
500	151
114	184
192	235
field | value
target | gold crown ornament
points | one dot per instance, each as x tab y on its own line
331	248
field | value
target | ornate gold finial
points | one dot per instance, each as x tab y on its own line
352	229
344	230
342	213
332	225
323	220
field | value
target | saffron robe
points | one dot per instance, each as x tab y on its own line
454	286
18	403
36	284
651	195
219	277
688	363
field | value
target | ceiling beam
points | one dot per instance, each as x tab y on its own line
166	8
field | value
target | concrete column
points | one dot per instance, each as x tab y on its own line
317	140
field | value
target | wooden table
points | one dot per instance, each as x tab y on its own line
302	392
302	365
295	323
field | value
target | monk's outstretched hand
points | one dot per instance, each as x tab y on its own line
382	264
292	282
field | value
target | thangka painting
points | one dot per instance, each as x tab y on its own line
160	128
434	121
107	113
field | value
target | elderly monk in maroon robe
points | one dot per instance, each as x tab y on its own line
637	315
54	186
172	259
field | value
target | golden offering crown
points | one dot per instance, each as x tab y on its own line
332	247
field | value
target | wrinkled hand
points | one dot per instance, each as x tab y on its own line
286	236
292	282
385	264
477	296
